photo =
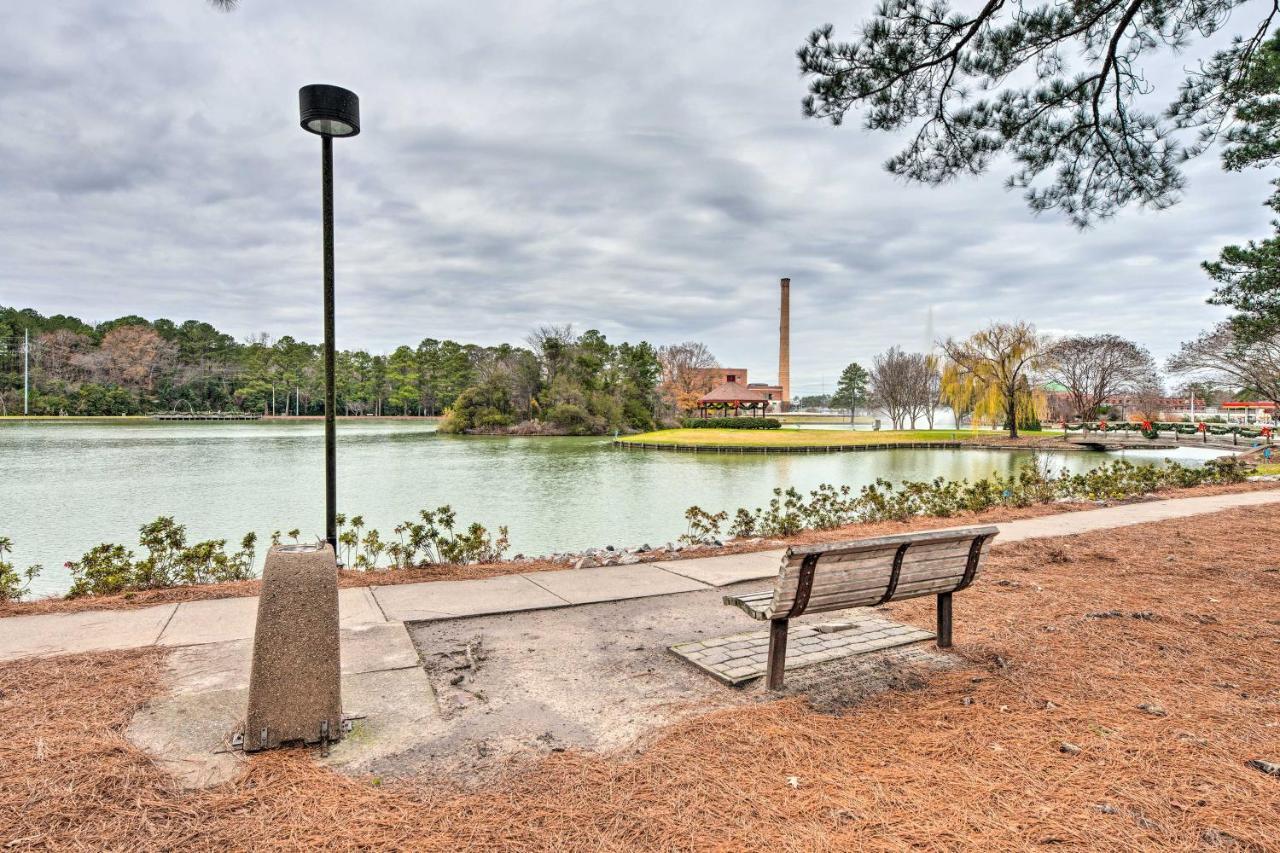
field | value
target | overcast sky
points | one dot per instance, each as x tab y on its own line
639	168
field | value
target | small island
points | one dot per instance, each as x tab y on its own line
801	440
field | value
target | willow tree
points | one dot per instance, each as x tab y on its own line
969	399
961	392
992	370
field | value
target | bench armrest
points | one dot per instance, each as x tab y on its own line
754	604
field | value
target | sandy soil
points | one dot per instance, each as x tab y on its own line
599	677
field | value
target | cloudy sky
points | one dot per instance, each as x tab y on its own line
640	168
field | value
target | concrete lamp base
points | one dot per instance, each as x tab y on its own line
294	687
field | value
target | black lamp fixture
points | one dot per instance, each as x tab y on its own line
329	111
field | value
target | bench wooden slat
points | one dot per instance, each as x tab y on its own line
872	593
928	549
920	538
754	604
874	570
844	572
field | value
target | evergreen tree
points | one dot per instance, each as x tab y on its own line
402	380
572	383
1248	276
851	389
1060	88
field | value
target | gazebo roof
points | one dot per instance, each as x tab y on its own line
734	392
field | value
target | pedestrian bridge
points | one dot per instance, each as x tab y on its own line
1166	441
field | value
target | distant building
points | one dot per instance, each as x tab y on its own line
1249	412
720	376
733	399
1133	406
772	392
730	384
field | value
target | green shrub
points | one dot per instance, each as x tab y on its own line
14	582
703	526
478	407
731	423
429	539
102	570
574	419
106	568
636	415
827	506
491	419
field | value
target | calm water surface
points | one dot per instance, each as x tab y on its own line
67	486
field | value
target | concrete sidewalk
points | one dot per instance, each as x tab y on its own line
229	619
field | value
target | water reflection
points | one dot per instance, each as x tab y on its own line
69	485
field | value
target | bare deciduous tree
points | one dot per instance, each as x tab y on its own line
135	356
65	356
1221	356
553	345
686	374
1095	367
906	386
1148	399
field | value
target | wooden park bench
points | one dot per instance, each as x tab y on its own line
866	573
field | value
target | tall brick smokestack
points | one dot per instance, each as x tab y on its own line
784	345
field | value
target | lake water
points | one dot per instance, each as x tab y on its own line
68	485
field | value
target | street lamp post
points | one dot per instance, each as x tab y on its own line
329	111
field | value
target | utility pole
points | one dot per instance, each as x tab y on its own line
26	372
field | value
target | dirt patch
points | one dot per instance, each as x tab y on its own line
1038	736
452	572
597	677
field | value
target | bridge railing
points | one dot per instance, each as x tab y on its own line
1236	434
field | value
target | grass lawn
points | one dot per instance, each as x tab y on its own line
805	437
1268	469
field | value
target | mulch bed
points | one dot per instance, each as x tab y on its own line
475	571
1150	650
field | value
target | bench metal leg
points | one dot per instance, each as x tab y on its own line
944	620
777	652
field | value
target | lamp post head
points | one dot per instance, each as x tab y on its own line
329	110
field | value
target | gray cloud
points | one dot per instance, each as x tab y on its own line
641	169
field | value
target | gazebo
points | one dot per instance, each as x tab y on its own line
733	397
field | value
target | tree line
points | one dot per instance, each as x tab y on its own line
559	381
132	365
1010	375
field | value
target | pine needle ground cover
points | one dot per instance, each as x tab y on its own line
1112	689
